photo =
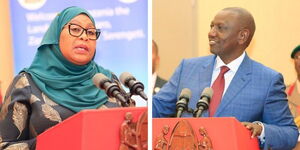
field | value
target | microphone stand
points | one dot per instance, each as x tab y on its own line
181	109
129	101
198	112
202	105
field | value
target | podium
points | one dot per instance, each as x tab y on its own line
225	133
88	130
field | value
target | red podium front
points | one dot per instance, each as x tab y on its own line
88	130
225	133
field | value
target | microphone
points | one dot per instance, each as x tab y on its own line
182	103
110	88
136	87
204	101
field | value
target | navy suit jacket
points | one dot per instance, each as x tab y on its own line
256	93
159	83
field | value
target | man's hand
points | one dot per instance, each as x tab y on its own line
255	128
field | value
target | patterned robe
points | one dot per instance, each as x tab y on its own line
27	112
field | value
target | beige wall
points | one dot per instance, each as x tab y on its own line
174	28
278	31
6	63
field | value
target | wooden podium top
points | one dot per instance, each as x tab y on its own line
88	130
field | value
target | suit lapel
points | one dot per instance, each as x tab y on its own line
205	76
241	78
206	72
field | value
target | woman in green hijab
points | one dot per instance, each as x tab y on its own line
57	84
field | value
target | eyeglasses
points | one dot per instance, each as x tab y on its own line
77	30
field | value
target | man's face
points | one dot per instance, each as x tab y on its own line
297	62
223	35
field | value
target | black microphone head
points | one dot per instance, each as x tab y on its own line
183	100
207	92
203	102
185	93
99	79
125	77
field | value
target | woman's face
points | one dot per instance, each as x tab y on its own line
78	50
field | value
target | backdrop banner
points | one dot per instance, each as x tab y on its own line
121	47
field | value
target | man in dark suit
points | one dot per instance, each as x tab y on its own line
243	88
159	82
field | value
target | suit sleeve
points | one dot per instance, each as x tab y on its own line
280	130
164	102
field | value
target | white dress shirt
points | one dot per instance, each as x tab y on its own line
228	76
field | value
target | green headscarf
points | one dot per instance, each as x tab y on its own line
67	84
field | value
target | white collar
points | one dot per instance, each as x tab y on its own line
233	65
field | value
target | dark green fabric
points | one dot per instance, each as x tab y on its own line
67	84
297	49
